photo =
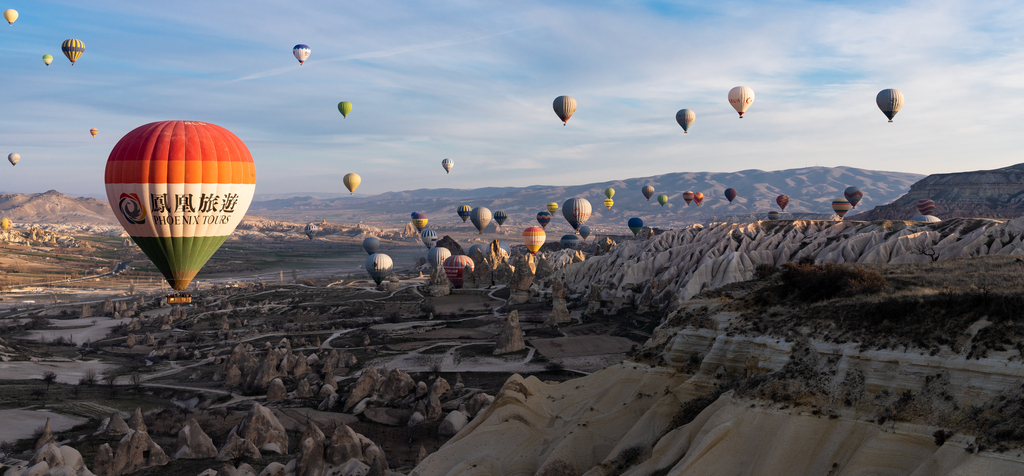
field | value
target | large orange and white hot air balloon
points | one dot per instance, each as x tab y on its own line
179	188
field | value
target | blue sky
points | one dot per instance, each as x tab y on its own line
474	81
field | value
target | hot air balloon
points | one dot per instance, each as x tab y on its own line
730	193
437	255
926	206
841	206
47	59
480	217
688	197
570	241
685	118
500	217
301	53
648	192
663	199
533	238
564	107
447	165
741	97
698	198
352	182
5	223
94	131
609	192
464	212
773	215
889	101
429	238
584	232
10	15
179	188
371	244
73	49
454	267
609	203
505	248
344	108
853	195
14	159
419	220
782	200
473	249
576	211
311	230
552	207
544	218
635	224
379	266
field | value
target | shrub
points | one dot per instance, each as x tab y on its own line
812	282
764	271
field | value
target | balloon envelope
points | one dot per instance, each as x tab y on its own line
310	230
841	206
73	49
782	200
543	218
685	118
429	238
437	255
464	212
564	106
371	244
473	249
773	215
698	198
94	131
926	206
379	266
352	182
10	15
552	207
853	195
344	108
419	220
576	211
609	203
301	53
179	188
584	232
533	238
5	223
648	191
500	217
730	193
454	267
570	241
741	97
635	224
481	217
447	165
688	197
47	59
14	158
663	199
609	192
889	101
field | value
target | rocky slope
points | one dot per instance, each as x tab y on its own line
55	207
984	193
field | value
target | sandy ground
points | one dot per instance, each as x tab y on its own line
68	371
90	332
562	347
18	424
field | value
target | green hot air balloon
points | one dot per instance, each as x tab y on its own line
47	59
344	108
663	199
609	192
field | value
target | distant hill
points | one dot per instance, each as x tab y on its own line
980	194
810	190
54	207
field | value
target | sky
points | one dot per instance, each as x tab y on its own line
474	82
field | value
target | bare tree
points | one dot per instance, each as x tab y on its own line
136	381
926	249
48	378
88	378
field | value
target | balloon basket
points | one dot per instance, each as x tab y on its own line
181	298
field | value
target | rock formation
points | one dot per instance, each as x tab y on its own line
522	279
439	284
52	459
135	451
193	442
237	447
276	390
453	423
511	337
46	437
559	312
114	426
264	430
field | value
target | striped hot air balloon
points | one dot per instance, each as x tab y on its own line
564	106
841	206
47	59
371	244
889	101
773	215
782	200
648	192
419	220
543	218
73	49
533	238
853	195
454	267
576	211
730	194
609	203
500	217
464	212
447	165
698	198
635	224
570	241
301	53
688	197
926	206
94	131
437	255
429	238
552	207
379	266
179	188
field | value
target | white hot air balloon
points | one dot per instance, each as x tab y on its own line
379	266
889	101
480	217
685	118
447	164
301	53
14	159
741	97
437	255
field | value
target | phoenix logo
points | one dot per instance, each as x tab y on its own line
132	208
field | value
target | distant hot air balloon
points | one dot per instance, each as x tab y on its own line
473	249
14	159
841	206
344	108
454	267
730	193
609	203
419	220
584	231
94	131
437	255
688	197
698	198
648	192
564	107
685	118
5	223
782	200
500	217
379	266
544	218
47	59
179	188
635	224
371	244
741	97
310	230
480	217
429	238
10	15
609	192
301	53
889	101
447	165
773	215
853	195
73	49
533	238
552	207
570	241
464	212
352	182
576	211
505	248
926	206
663	199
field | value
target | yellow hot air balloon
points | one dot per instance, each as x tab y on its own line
10	15
352	182
552	208
609	203
73	49
94	131
5	223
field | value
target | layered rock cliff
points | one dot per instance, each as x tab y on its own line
984	193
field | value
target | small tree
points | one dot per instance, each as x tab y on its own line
136	380
48	378
110	378
88	378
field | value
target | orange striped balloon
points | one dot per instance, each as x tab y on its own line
841	206
533	238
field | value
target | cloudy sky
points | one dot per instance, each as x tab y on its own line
474	81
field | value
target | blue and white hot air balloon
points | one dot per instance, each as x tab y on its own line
301	53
